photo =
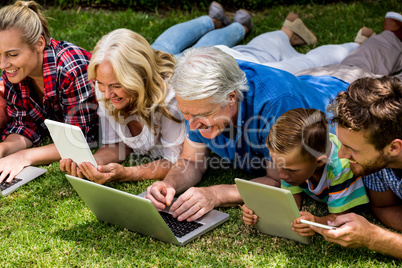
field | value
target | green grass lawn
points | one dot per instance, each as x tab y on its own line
46	224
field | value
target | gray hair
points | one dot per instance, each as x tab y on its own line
208	72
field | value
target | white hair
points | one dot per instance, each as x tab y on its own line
208	72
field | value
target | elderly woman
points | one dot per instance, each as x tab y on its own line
137	110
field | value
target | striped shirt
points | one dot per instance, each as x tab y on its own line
384	180
68	95
338	187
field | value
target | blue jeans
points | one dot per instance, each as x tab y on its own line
198	32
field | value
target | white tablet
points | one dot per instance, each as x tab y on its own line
70	142
275	207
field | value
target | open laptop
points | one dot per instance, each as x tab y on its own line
70	142
275	207
138	214
26	175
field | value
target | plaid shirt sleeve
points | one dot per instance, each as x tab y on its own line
3	106
78	99
25	116
384	180
375	182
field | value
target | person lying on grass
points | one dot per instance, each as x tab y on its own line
369	126
306	156
43	79
137	110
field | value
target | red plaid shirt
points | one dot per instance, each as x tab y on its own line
68	95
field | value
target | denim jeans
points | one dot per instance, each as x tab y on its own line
198	32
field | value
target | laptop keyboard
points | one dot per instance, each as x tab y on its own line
179	228
4	185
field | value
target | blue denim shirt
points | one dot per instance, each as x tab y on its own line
271	93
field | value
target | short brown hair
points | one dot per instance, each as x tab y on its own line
303	128
372	106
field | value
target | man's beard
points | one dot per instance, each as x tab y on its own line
373	166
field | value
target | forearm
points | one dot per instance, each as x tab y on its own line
112	153
14	143
299	200
185	174
150	171
272	176
41	155
227	195
386	242
390	216
268	181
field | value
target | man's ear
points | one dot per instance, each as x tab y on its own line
321	160
232	97
395	147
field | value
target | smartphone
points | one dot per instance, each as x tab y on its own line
318	225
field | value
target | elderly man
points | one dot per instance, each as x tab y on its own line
229	108
369	125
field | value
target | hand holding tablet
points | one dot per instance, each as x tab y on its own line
70	142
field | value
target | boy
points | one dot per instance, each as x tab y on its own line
306	156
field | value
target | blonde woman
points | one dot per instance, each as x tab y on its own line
43	78
137	110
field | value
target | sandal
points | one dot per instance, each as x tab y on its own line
297	26
363	34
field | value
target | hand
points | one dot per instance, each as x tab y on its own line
102	174
161	194
302	228
194	203
11	165
70	167
249	217
354	231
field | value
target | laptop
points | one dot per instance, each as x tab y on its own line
26	175
275	207
138	214
70	142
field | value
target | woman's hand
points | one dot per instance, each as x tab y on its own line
104	173
70	167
